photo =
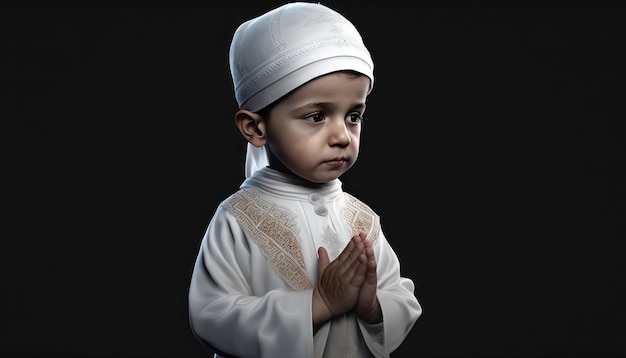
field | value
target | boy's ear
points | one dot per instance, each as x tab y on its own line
252	127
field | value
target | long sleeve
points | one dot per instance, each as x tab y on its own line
239	305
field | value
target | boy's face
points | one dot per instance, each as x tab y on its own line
315	131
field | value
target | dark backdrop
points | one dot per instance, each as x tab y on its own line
493	148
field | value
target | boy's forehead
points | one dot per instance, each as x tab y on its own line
340	89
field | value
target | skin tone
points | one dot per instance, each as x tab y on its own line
314	133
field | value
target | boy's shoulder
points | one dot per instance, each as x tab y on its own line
246	194
359	204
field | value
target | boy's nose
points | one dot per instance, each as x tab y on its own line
339	134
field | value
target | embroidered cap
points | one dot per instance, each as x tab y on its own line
276	52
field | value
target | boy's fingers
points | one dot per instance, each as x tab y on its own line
349	265
322	261
350	252
359	271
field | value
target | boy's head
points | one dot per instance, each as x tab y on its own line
279	51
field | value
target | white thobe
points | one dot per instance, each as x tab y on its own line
250	293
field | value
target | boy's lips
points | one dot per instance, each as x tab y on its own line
336	161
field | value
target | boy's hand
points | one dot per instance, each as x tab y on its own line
340	281
367	305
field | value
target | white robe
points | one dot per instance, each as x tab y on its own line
251	289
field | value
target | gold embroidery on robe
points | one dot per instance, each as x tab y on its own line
274	229
361	217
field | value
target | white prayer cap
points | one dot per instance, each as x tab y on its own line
277	52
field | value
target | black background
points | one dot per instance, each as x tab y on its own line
493	148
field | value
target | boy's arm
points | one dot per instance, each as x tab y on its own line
237	314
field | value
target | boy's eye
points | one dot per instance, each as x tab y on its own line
315	117
355	118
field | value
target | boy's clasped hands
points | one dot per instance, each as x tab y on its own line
349	282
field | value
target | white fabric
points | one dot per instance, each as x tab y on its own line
256	158
282	49
242	299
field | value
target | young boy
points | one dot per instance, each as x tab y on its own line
291	265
